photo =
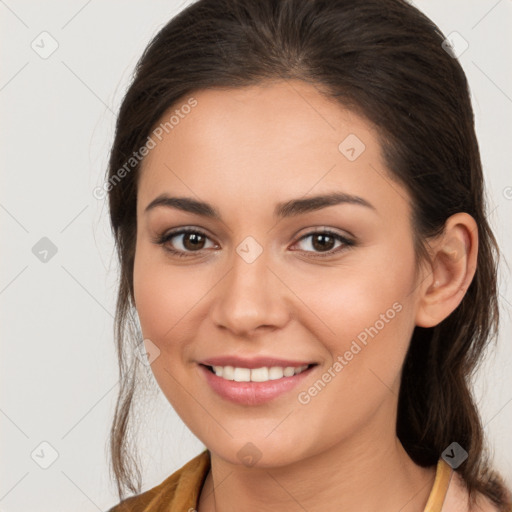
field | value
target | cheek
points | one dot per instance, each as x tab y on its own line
155	296
371	324
164	295
369	313
163	298
371	331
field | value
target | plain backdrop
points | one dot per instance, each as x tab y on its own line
58	270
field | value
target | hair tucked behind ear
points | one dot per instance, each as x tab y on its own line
384	60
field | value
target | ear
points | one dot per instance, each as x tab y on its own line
454	258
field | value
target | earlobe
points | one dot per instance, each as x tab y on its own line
453	257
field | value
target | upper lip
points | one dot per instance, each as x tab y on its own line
255	362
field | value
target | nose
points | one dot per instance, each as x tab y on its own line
250	297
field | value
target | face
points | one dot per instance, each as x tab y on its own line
273	275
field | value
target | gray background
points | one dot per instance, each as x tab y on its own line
58	368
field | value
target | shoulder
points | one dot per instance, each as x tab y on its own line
457	498
177	491
484	504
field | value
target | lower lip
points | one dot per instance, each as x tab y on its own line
252	393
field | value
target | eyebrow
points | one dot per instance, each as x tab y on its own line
286	209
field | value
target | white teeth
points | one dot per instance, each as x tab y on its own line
259	374
275	373
263	374
300	369
289	371
242	375
228	372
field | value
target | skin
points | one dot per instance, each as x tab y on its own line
243	151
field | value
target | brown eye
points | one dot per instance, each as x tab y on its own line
325	242
193	241
184	242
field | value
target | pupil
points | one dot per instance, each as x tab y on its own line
322	244
195	238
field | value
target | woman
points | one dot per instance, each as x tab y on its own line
296	195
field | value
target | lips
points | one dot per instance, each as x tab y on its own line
250	392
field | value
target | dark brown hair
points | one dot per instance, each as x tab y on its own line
384	60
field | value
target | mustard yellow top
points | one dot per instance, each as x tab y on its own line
440	487
180	491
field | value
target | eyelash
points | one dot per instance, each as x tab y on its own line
166	237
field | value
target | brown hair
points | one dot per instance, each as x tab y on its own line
384	60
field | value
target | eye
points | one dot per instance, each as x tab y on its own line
192	240
323	241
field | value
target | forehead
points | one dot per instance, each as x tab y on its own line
270	141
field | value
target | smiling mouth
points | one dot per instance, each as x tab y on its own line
263	374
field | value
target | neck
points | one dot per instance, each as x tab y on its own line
370	472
